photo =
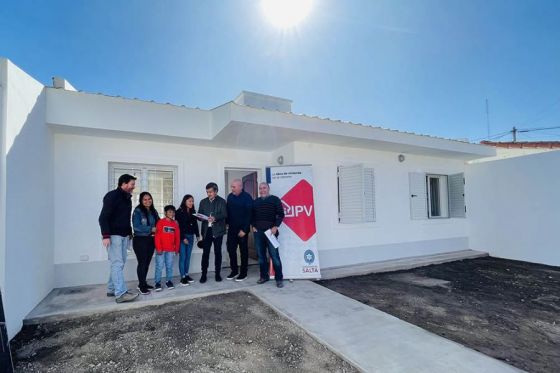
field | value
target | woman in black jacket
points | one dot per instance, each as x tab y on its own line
188	225
144	219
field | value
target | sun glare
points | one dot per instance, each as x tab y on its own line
286	13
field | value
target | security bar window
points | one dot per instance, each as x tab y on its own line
160	181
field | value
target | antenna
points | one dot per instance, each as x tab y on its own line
487	119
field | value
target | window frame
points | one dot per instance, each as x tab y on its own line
443	200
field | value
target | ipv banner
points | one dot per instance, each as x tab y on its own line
298	233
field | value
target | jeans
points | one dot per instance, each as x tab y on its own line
185	256
233	240
117	252
144	250
166	256
209	239
263	245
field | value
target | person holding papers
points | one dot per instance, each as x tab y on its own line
213	213
267	216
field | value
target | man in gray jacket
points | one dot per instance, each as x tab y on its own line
213	229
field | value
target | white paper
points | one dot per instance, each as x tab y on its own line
201	216
272	238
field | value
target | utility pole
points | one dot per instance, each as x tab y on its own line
514	132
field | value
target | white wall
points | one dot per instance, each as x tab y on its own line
515	207
81	174
394	234
3	119
81	181
29	270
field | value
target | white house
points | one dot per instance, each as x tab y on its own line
62	150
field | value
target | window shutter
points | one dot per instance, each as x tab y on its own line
457	195
418	196
350	194
369	195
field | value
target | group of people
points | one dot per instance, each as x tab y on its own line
177	231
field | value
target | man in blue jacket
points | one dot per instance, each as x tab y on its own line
239	206
114	221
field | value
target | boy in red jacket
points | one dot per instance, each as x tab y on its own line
168	243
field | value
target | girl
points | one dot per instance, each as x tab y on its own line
188	227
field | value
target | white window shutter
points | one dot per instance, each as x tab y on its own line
350	194
457	196
418	196
369	195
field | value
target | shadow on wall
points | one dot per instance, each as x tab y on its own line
29	217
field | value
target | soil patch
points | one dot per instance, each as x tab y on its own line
507	309
233	332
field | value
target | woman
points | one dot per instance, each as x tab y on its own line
144	219
188	226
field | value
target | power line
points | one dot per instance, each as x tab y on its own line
538	129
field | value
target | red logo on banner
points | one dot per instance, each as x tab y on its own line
300	210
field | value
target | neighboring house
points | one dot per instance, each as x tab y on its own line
508	149
62	150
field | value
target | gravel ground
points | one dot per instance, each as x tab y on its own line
506	309
233	332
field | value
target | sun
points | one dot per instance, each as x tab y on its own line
286	13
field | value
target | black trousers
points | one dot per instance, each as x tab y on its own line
208	241
233	240
144	249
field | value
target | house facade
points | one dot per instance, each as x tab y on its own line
62	150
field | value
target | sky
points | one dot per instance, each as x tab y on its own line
423	66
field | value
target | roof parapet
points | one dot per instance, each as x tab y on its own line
59	82
260	101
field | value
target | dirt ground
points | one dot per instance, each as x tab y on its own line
233	332
506	309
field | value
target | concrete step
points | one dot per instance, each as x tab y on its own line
399	264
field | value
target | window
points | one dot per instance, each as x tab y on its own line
438	205
356	194
437	196
160	181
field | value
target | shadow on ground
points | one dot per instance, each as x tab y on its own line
506	309
233	332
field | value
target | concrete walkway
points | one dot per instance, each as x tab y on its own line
370	339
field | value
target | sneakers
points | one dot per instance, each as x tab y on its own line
158	286
218	277
241	277
110	294
232	275
143	290
262	280
127	297
280	284
169	285
149	287
189	279
184	281
203	278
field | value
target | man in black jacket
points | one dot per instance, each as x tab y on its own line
213	229
114	222
268	213
239	206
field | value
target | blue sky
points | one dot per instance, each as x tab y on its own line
425	66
